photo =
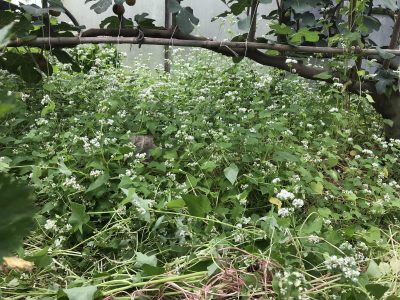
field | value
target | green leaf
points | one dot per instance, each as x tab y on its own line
384	54
307	35
30	74
50	107
16	214
100	181
323	76
186	20
371	23
64	169
78	217
324	212
152	271
4	32
40	258
81	293
177	203
388	122
238	7
244	23
373	235
281	29
311	36
231	173
198	206
211	269
383	85
312	226
34	10
142	205
5	108
272	52
143	259
7	102
5	164
191	180
173	6
373	270
65	58
101	6
317	187
285	156
144	21
350	196
55	4
208	166
301	6
370	99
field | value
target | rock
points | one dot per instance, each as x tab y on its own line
143	144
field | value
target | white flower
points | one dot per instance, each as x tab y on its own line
45	100
347	265
58	241
298	203
346	246
285	195
71	182
243	201
314	239
50	225
96	173
368	152
284	212
276	180
291	61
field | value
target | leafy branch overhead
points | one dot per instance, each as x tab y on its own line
185	20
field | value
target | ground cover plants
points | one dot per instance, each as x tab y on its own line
262	185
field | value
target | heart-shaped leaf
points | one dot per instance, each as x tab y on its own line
231	173
198	206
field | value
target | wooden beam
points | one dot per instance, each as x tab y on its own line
59	42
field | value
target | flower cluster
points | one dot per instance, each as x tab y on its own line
346	265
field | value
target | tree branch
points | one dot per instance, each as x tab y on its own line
72	18
133	32
383	12
253	21
165	39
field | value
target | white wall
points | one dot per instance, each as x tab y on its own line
205	10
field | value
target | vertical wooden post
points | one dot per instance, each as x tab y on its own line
167	52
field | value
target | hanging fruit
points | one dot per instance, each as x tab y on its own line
131	2
118	9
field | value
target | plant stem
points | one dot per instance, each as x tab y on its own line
196	275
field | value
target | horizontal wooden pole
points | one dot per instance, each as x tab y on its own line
208	44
